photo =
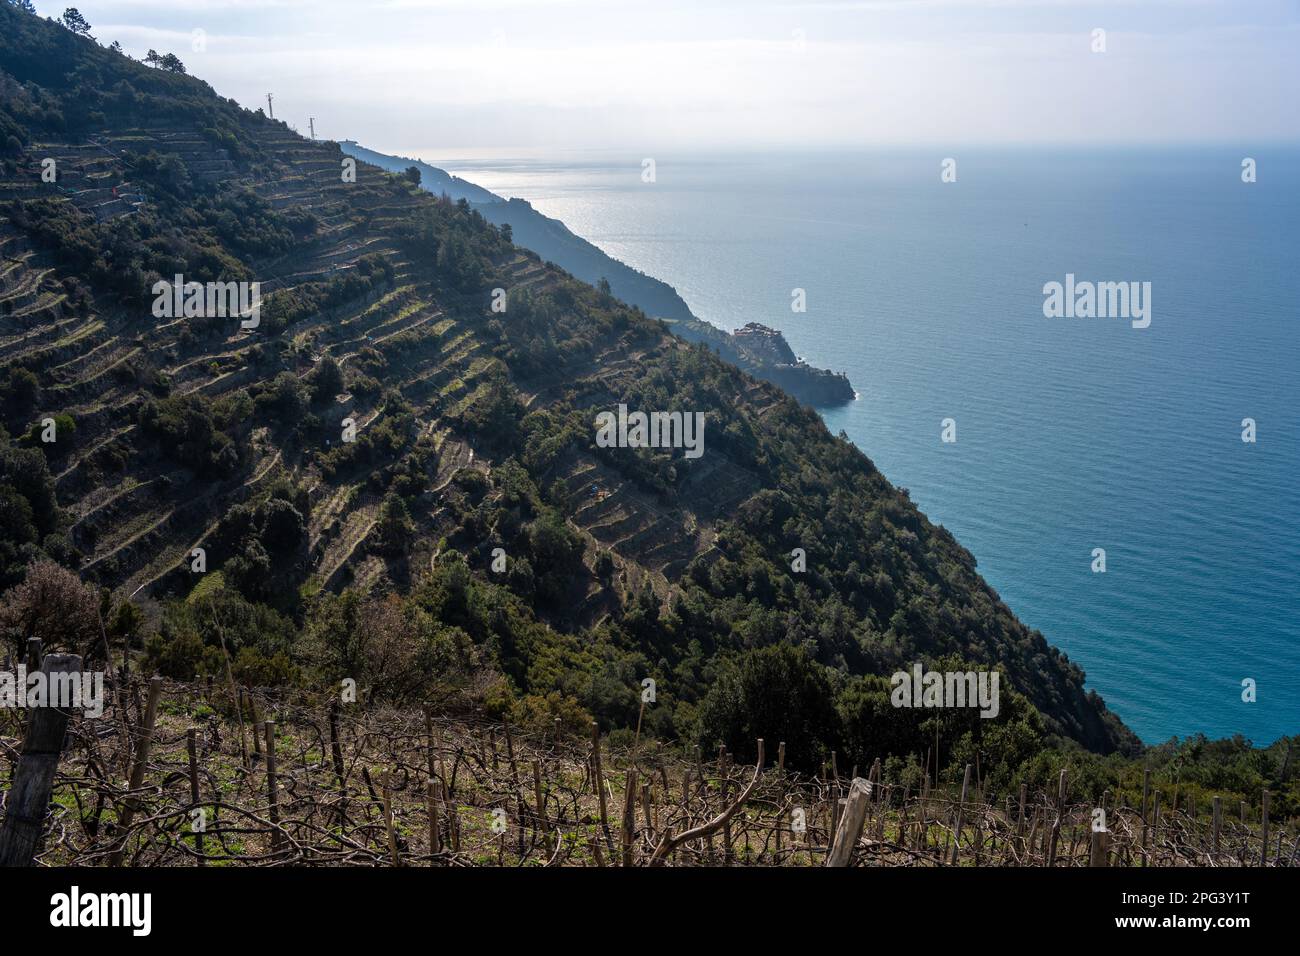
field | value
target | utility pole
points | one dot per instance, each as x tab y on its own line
269	112
311	124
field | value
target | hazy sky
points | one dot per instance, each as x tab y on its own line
418	76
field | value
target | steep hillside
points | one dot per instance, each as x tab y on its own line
556	243
435	180
474	431
547	237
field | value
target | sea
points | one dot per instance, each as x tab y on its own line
922	276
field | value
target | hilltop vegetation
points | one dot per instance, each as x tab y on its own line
471	544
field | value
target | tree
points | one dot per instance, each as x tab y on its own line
288	396
776	693
507	232
325	380
53	604
152	58
413	175
74	21
115	47
283	528
25	471
389	646
24	5
557	554
391	639
395	528
172	64
20	392
125	623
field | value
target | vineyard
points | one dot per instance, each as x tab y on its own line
210	774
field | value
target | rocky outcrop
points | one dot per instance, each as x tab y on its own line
766	344
764	353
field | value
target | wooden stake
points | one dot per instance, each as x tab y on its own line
961	809
336	754
143	745
1146	789
923	825
434	795
1263	819
645	810
33	778
598	780
1218	821
388	818
1155	818
1020	818
191	748
849	830
272	787
33	655
537	795
780	770
428	739
1056	823
1097	850
629	815
724	761
510	755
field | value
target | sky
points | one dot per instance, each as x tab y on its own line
421	76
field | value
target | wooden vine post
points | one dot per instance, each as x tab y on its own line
191	749
961	812
597	779
33	780
144	743
850	824
272	787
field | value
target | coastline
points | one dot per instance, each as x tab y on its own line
755	348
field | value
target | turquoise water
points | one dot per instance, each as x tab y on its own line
1072	434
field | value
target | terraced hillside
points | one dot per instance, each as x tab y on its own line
387	423
91	361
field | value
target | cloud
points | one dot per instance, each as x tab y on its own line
578	73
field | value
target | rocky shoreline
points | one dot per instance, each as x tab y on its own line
764	353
